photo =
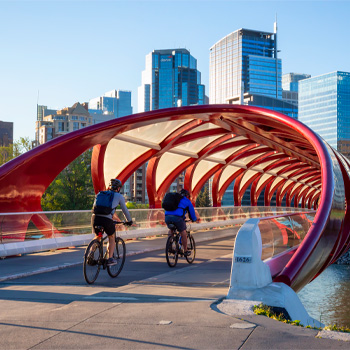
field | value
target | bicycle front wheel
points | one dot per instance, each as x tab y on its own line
92	259
119	254
171	251
191	246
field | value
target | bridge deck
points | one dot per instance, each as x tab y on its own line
148	306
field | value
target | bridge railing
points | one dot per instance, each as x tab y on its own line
262	249
29	232
264	246
281	233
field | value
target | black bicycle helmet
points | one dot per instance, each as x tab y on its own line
115	184
184	193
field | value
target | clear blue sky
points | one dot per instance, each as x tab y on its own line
72	51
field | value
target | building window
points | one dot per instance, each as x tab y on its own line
61	126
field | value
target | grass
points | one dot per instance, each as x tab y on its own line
268	311
337	328
265	310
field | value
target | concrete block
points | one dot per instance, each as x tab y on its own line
248	270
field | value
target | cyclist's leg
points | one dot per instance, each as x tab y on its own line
94	224
111	245
110	231
184	240
169	219
180	224
109	228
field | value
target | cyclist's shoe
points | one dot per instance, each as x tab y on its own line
112	261
188	253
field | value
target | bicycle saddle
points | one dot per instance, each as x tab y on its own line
171	226
98	229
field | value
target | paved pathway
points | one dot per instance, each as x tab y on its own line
165	309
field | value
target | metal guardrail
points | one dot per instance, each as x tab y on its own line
19	232
263	239
283	232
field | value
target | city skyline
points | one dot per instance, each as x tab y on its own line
59	53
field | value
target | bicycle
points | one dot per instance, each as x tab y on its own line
95	258
173	247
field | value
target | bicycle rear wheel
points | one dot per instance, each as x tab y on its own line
171	251
92	258
119	254
191	246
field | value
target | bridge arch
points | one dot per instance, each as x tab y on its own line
217	141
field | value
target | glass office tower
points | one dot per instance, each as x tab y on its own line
245	61
324	106
116	103
245	69
171	79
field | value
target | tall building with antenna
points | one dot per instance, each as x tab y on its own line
245	62
245	69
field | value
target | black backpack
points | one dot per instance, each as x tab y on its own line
171	201
103	203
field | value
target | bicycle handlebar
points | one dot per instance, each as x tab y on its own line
126	223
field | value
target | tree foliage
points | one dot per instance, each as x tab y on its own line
133	205
72	189
203	198
14	150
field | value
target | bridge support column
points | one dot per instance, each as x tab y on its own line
251	279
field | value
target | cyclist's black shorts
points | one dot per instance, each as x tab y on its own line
178	221
107	224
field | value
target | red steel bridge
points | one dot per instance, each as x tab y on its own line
267	152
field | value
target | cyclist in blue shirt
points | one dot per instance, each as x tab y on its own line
177	217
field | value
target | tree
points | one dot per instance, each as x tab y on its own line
203	198
6	154
133	205
14	150
72	189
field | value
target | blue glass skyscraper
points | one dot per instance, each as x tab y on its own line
245	69
245	61
171	79
324	106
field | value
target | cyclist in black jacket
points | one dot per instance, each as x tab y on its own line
177	217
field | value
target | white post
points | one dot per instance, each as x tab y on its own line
251	278
248	270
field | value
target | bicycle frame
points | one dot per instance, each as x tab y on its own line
92	263
173	252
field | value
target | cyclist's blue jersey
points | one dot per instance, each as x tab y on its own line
184	206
